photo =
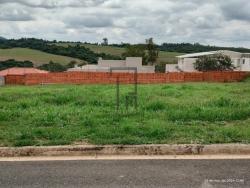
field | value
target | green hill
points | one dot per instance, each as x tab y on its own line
36	56
165	57
2	38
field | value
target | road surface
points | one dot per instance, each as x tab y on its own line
126	173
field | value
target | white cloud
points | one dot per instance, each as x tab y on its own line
215	22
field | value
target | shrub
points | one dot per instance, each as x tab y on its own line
53	67
217	62
13	63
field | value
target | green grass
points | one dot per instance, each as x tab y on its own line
175	113
36	56
165	57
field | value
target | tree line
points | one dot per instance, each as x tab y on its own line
188	47
75	51
196	47
51	66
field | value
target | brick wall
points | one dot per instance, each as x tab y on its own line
15	79
126	78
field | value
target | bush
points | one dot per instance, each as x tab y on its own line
13	63
160	67
217	62
53	67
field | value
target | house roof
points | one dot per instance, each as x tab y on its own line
206	53
198	54
20	71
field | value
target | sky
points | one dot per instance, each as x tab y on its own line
213	22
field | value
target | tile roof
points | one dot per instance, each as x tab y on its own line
20	71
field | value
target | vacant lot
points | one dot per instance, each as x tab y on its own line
36	56
174	113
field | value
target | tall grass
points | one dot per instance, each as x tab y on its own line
174	113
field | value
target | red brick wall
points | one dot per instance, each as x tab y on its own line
14	80
107	78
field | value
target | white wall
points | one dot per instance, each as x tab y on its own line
134	62
246	65
232	54
111	63
172	68
104	66
187	64
146	69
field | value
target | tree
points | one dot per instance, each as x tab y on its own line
105	42
217	62
152	51
53	67
72	64
136	51
13	63
160	67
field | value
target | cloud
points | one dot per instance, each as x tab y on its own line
49	4
12	13
89	21
214	22
236	10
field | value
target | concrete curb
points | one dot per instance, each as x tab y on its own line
93	150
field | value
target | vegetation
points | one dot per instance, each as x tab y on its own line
136	51
61	114
76	51
35	56
13	63
53	67
89	53
148	52
217	62
164	57
2	38
152	51
196	47
105	42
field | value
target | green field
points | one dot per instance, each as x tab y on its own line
171	113
36	56
166	57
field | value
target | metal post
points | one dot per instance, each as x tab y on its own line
136	84
133	95
117	93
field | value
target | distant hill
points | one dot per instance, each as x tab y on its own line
35	56
166	57
2	38
76	51
194	48
41	51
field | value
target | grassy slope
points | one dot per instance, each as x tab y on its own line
167	57
36	56
174	113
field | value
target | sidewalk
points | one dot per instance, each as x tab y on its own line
126	150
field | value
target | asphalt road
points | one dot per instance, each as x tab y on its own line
126	173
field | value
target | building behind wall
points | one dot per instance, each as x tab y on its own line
186	62
105	65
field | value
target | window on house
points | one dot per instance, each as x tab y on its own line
244	61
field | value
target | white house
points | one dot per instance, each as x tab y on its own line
186	62
105	65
